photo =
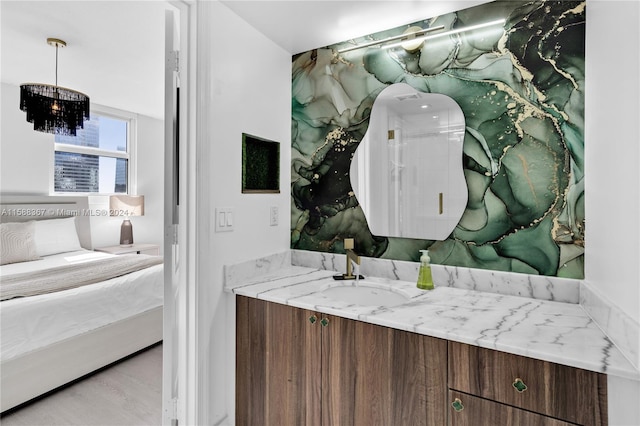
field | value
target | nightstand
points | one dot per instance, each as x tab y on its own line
151	249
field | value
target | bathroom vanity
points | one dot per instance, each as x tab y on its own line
446	356
301	367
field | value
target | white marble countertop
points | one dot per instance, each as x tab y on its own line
548	330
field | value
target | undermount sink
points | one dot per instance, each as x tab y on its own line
365	293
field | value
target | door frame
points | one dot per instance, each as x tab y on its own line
180	316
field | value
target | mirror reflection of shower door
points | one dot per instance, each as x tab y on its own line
407	171
395	169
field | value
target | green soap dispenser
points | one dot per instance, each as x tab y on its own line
425	281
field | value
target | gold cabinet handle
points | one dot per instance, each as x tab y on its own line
519	385
313	319
457	405
324	322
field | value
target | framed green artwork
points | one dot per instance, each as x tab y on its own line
260	165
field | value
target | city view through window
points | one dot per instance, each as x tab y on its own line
95	160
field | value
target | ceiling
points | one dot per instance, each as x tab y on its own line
114	49
301	25
114	53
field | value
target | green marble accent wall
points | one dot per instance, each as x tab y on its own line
520	85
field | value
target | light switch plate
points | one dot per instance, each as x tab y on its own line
224	219
274	216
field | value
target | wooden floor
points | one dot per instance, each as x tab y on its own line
128	393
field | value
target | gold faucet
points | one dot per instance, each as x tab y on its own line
351	256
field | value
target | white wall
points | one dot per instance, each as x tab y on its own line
612	185
244	85
26	165
26	156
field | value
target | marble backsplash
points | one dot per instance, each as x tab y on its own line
533	286
623	331
239	273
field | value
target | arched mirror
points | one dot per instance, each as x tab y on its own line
407	171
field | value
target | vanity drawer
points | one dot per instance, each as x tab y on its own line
473	411
566	393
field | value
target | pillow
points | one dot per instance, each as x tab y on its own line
17	242
54	236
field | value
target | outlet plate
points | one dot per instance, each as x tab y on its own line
274	216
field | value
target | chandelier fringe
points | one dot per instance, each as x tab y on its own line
54	109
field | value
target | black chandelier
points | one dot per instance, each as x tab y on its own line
54	109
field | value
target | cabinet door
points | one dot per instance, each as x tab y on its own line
473	411
374	375
277	365
567	393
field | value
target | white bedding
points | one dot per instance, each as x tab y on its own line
30	323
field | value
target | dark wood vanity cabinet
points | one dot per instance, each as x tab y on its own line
297	367
278	358
489	387
373	375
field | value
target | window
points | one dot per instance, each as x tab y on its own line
98	159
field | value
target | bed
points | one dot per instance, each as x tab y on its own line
49	338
